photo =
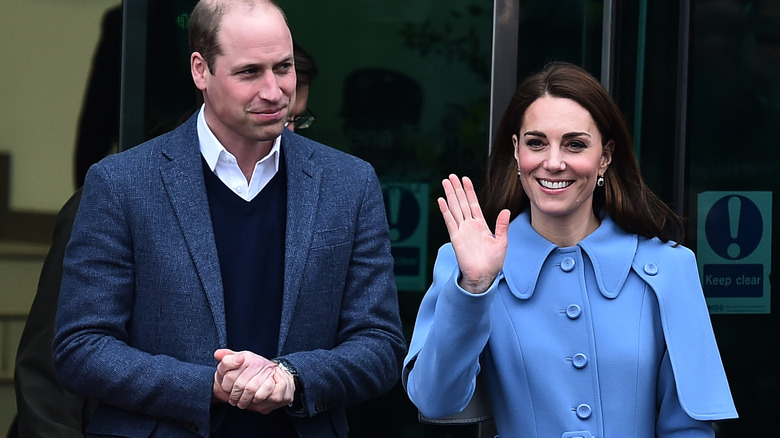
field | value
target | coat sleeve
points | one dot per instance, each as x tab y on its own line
701	383
95	355
452	329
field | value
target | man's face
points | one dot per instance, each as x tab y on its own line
248	94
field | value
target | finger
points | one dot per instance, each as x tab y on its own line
471	196
449	221
221	353
260	388
287	382
229	367
453	206
216	389
228	383
230	362
460	194
281	395
248	385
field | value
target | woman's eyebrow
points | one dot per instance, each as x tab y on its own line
575	134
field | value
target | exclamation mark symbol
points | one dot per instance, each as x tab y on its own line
735	207
394	205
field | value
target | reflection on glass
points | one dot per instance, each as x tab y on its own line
735	108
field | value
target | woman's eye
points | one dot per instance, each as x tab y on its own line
577	145
534	143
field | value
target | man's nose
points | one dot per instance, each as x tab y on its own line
268	87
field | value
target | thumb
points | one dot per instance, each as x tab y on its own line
502	224
221	353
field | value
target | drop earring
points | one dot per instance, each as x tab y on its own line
600	181
518	174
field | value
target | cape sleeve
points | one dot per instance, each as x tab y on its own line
671	273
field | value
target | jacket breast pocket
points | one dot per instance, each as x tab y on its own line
330	237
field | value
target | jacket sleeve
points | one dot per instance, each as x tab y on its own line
701	383
345	340
95	355
452	329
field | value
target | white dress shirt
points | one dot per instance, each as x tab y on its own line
225	166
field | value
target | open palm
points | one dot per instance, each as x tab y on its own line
479	252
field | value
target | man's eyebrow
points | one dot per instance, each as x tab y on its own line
242	67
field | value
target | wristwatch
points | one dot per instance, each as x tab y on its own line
297	404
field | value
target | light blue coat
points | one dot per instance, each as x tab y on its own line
609	338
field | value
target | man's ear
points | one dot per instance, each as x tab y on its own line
199	69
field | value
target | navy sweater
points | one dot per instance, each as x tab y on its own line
250	243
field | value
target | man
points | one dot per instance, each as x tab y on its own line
230	278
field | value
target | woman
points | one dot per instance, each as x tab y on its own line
583	315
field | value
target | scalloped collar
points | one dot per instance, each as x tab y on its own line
610	249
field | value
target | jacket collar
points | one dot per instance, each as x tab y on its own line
609	248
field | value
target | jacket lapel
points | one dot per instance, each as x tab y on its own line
183	180
303	188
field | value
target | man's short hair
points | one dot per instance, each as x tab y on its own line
205	21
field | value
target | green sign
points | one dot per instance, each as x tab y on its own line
406	205
734	250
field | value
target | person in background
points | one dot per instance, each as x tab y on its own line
582	314
97	133
44	408
230	278
306	71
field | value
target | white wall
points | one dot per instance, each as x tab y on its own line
45	56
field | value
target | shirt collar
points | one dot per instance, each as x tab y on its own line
211	148
609	248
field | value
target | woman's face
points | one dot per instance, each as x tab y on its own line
560	155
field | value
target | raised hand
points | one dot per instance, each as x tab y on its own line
479	252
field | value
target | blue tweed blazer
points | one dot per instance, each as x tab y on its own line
141	308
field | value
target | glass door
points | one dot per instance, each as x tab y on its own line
700	83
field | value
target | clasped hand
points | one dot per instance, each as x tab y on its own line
479	252
252	382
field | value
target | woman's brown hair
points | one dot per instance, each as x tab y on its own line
625	197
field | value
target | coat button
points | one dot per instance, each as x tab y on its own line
567	264
573	311
651	268
579	361
583	411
